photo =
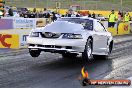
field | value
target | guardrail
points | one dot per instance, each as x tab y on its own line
123	28
14	38
14	23
14	31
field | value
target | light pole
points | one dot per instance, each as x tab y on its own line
35	3
46	3
121	4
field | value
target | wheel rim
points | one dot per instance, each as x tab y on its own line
89	50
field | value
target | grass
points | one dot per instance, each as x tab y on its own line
85	4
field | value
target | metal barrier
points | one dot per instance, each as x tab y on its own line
9	40
15	38
14	23
123	28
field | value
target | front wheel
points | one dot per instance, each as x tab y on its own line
87	54
34	53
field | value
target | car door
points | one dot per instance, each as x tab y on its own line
100	39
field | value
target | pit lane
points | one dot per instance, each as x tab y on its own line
19	70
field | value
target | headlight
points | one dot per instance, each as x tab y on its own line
34	34
72	36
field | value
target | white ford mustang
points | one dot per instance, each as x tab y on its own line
71	36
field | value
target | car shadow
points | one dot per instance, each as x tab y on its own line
97	68
68	71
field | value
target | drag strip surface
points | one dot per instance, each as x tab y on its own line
19	70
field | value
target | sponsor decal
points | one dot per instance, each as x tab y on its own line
23	40
126	27
85	80
3	38
21	21
41	22
9	41
24	23
6	24
18	23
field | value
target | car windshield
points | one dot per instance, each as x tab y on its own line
87	24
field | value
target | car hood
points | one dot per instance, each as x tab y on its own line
63	27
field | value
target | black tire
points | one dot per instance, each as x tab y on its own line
34	53
110	48
87	54
69	55
110	51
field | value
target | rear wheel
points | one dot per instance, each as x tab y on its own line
68	55
87	54
110	50
34	53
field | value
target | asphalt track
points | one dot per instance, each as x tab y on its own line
19	70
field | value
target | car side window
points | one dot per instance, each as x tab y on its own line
89	25
99	27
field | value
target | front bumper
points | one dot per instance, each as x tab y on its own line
57	45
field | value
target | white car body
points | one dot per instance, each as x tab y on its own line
101	38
